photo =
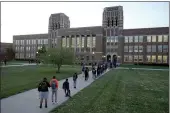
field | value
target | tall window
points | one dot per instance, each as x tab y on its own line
88	42
64	42
32	41
39	41
78	42
165	58
135	48
108	39
130	58
153	48
148	58
68	42
126	39
136	39
140	58
116	38
94	41
153	38
149	38
160	38
125	48
135	58
140	48
130	39
82	41
130	48
153	58
148	48
165	48
160	48
112	39
165	39
125	58
73	42
47	41
35	41
16	43
159	59
140	38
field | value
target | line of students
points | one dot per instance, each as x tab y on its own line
44	85
44	91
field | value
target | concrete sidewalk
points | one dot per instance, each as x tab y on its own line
149	69
28	102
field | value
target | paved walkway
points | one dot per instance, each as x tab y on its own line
28	102
150	69
27	64
14	65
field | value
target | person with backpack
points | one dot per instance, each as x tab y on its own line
43	88
54	88
83	70
86	72
94	72
66	88
75	79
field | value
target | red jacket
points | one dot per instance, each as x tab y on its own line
56	81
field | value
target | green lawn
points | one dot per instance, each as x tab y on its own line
122	91
143	66
18	79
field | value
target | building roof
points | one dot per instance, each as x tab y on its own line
146	31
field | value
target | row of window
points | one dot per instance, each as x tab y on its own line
149	58
112	39
150	48
33	48
79	42
153	38
22	56
31	42
161	48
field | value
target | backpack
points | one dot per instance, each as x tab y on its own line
43	86
53	85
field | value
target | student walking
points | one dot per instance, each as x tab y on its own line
75	79
5	61
94	72
43	88
83	70
86	73
66	88
54	88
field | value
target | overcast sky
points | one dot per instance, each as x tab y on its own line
19	18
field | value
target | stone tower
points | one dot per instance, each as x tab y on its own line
56	21
113	28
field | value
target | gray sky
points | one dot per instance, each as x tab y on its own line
19	18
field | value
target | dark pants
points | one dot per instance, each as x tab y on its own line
5	62
67	92
86	77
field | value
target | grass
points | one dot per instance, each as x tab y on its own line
122	91
144	66
18	79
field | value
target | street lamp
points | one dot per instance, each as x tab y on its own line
104	58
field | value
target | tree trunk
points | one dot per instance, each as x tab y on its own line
58	68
